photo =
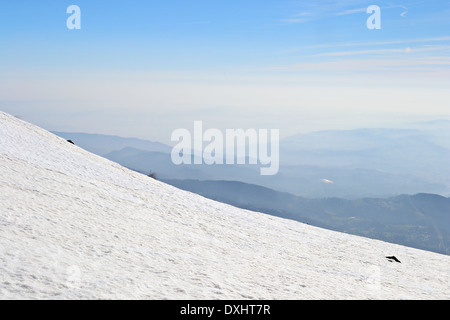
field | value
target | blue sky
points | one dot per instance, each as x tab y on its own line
145	68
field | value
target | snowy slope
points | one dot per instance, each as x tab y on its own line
74	225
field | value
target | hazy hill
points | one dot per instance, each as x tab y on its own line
409	157
304	180
161	163
103	144
368	162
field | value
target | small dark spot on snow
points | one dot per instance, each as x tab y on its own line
393	258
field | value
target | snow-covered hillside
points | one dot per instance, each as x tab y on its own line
74	225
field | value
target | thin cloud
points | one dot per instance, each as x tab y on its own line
403	14
351	11
302	14
379	51
334	8
299	18
295	20
360	10
371	43
353	53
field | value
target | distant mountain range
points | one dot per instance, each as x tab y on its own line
339	163
378	183
348	164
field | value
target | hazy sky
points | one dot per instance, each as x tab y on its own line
144	68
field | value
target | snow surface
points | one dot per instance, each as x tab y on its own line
74	225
